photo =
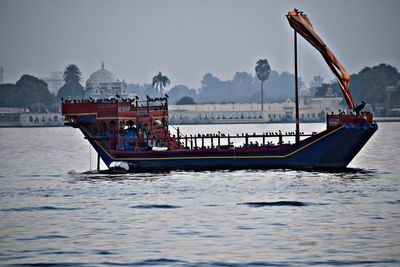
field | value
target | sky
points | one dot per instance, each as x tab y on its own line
184	39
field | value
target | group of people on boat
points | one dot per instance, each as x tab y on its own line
137	137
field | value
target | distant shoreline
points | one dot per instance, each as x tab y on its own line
377	119
387	119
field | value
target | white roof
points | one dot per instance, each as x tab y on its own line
102	76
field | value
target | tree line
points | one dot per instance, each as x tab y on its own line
28	92
367	85
32	93
242	88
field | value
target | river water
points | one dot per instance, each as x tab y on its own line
53	214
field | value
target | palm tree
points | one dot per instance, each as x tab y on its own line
262	70
72	87
72	74
160	82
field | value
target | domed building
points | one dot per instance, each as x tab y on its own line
104	84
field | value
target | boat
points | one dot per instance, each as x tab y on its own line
135	134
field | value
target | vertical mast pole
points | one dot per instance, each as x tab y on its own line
296	88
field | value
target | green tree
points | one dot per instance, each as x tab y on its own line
28	90
186	100
72	87
72	74
369	84
262	71
179	91
38	107
8	95
160	82
33	90
315	83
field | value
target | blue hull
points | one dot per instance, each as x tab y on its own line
329	150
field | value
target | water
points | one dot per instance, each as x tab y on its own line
53	214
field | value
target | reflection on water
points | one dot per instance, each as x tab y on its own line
55	212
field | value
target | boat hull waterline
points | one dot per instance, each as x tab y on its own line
329	150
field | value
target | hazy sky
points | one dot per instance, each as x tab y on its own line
187	38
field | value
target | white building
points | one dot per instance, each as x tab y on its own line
55	81
311	110
104	84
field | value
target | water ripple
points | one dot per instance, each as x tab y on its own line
296	263
49	217
275	203
393	201
43	208
148	262
43	237
156	206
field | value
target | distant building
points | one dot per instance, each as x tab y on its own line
312	109
389	91
1	75
104	84
392	109
55	81
17	117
